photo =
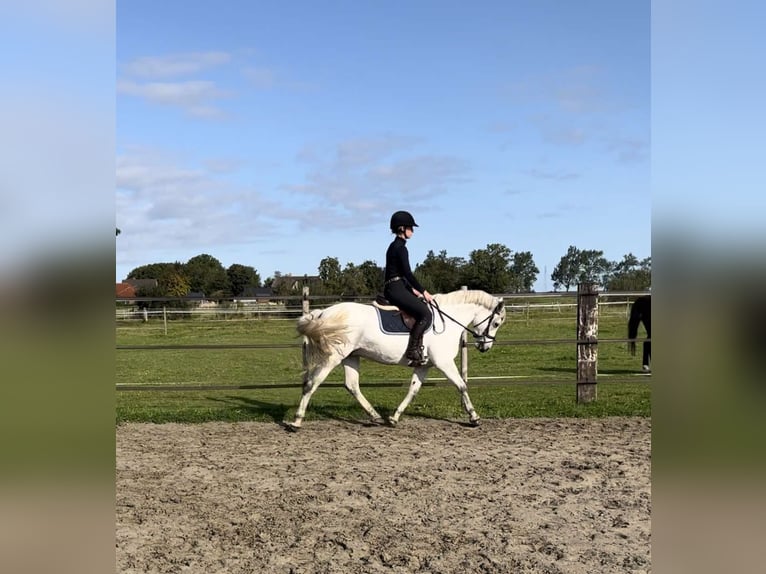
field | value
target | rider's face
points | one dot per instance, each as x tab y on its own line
408	231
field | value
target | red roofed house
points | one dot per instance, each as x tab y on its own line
125	291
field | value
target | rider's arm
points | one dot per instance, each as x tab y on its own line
404	260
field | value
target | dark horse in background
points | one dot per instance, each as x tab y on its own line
641	312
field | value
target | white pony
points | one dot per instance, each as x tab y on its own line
344	332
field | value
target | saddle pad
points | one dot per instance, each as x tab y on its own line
391	322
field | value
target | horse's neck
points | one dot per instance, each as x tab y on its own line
464	312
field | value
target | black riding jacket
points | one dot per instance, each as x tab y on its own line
398	263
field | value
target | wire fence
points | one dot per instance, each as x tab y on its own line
519	307
289	308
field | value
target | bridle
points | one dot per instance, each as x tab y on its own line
476	335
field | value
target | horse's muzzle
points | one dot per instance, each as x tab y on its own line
483	346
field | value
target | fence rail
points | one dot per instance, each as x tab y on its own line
289	307
587	305
298	345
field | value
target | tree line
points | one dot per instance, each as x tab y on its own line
495	269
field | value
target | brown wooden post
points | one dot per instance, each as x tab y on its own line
304	348
464	349
587	342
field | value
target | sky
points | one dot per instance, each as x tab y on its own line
275	134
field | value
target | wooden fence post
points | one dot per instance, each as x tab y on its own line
464	349
305	303
587	342
304	347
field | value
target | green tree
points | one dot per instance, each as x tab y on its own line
364	279
150	271
594	267
523	272
489	269
352	281
439	273
566	271
371	277
173	283
207	275
242	276
155	271
630	274
581	266
331	276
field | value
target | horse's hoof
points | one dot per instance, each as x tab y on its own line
292	427
475	422
391	422
378	421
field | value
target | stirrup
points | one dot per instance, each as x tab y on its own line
419	360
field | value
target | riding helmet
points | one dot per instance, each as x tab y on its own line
402	219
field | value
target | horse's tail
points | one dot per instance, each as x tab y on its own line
323	335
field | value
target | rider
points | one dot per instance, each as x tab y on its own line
403	289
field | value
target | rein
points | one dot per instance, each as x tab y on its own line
476	335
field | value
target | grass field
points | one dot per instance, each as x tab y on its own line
512	380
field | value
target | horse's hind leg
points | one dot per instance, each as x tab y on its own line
647	359
315	378
418	378
351	368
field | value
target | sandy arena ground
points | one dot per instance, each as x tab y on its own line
517	496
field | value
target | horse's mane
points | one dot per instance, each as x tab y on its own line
467	296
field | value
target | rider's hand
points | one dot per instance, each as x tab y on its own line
427	296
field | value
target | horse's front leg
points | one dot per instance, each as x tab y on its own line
351	368
418	378
451	372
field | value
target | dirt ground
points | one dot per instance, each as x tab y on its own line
533	495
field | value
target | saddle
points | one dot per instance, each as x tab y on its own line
391	319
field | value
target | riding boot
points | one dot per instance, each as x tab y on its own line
415	347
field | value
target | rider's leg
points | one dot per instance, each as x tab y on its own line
399	294
415	346
415	352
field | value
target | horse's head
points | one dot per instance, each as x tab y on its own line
486	325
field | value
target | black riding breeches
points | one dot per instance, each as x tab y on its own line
400	295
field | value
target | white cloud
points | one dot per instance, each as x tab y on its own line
628	150
196	97
564	135
170	205
572	107
261	78
175	65
577	91
362	178
555	174
162	204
